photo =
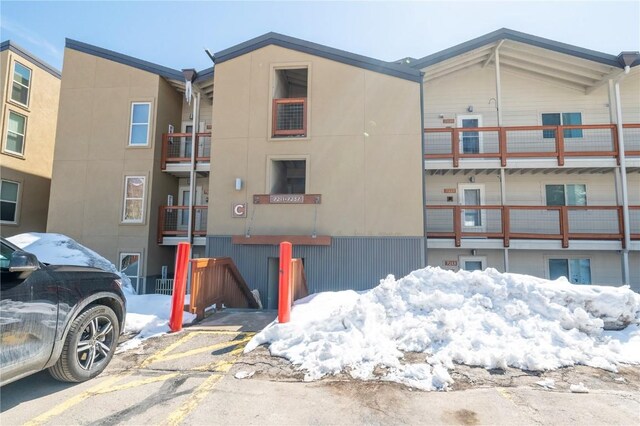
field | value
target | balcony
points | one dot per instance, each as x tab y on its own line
504	146
562	223
289	117
173	224
176	152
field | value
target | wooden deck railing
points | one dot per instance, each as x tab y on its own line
562	223
173	221
289	117
503	143
298	279
176	148
218	281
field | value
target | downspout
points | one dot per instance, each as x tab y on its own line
623	181
192	171
503	183
424	171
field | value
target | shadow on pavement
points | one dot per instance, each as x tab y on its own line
29	388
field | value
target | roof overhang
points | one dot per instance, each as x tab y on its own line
11	46
389	68
570	66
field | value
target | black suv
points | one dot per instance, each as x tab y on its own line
64	318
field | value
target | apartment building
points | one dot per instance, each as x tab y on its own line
548	181
111	170
367	166
29	89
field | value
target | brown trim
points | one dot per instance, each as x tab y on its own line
274	117
306	199
272	240
564	234
560	150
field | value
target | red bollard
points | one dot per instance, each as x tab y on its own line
179	287
284	285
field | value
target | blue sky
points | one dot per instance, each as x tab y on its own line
175	34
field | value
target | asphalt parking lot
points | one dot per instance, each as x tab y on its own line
191	378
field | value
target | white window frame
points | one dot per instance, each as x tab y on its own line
131	124
459	119
483	213
17	202
13	76
125	198
24	135
463	259
544	191
568	258
139	278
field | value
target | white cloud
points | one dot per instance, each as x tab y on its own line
28	36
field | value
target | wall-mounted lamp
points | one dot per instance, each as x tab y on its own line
470	108
474	252
238	184
440	115
472	179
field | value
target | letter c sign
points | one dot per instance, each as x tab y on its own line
239	210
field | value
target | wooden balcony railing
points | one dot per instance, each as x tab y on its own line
587	140
298	280
563	223
218	281
176	148
173	221
289	117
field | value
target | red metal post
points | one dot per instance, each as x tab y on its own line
179	286
284	287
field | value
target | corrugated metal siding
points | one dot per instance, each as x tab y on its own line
355	263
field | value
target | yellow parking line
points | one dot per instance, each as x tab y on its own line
159	355
217	346
215	367
201	391
65	405
136	383
506	395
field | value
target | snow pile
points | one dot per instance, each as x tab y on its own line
480	318
58	249
147	315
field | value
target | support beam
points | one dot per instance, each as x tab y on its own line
623	186
495	50
604	80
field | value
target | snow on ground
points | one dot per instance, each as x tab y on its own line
147	315
480	318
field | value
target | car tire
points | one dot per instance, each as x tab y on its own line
89	346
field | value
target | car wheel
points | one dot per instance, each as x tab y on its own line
89	345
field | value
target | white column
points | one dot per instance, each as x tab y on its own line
623	186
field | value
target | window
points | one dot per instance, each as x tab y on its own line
473	263
9	201
566	195
16	128
564	119
577	271
133	211
288	176
130	266
470	142
21	84
139	132
290	102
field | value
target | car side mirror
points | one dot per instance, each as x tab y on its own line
21	261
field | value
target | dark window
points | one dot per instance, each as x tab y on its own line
289	102
288	177
564	119
566	195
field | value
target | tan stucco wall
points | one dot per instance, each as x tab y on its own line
92	157
33	169
363	149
